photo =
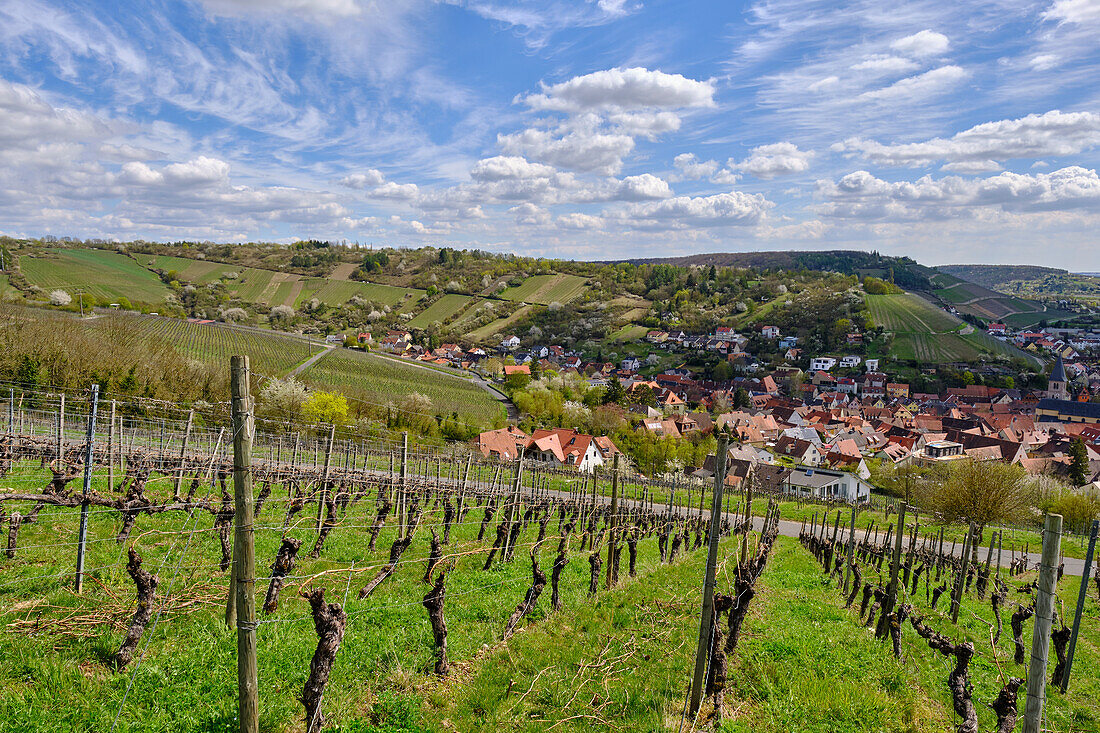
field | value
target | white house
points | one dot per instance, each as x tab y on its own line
630	364
822	363
788	342
512	342
850	362
872	365
823	483
770	332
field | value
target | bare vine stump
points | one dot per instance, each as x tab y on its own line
434	556
146	584
265	492
997	599
13	533
857	576
719	666
1005	705
595	562
865	600
538	582
284	563
502	532
555	575
448	519
326	528
1019	616
329	620
485	519
632	548
399	546
433	602
936	593
379	522
958	681
1060	639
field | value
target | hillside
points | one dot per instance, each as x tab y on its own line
1021	303
993	276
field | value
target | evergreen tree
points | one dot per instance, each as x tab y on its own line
615	394
1079	468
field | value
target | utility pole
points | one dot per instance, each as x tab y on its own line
1080	603
82	538
706	618
244	551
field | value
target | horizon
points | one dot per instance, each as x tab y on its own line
617	129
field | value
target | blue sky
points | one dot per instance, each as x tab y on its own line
951	132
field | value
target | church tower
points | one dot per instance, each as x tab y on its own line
1057	386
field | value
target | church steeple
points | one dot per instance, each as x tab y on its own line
1057	386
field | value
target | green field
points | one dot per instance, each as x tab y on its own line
108	276
546	289
378	380
910	314
441	310
337	292
488	330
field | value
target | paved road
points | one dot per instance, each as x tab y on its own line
311	361
496	394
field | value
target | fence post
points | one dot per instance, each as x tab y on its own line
611	538
183	455
401	488
1080	603
111	449
244	551
706	618
323	498
895	562
89	464
851	550
11	411
1040	635
513	506
960	580
61	430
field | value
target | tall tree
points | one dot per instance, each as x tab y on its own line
1079	468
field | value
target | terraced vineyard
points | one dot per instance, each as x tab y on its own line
105	275
547	289
378	380
910	314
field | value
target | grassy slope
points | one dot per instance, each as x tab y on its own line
104	274
442	309
546	289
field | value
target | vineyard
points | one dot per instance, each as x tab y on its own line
105	275
373	585
379	380
546	289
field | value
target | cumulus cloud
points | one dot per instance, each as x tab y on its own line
924	43
862	196
530	214
646	187
735	208
1053	133
1073	11
396	191
692	169
367	179
578	220
582	146
776	159
623	89
509	167
921	85
646	124
28	119
201	171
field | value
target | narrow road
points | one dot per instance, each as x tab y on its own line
311	361
509	406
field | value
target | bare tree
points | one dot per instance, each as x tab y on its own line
983	492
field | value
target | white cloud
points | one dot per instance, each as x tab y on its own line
509	167
574	146
645	124
367	179
396	191
885	64
828	82
1074	11
692	169
323	8
735	208
972	166
646	187
1044	62
862	196
776	159
623	89
1053	133
530	214
28	119
921	85
924	43
578	220
201	171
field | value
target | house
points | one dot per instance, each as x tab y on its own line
630	364
560	446
821	378
788	342
656	337
516	369
824	483
997	329
725	333
512	342
822	363
505	443
855	338
801	451
364	337
851	361
770	332
871	364
846	385
897	391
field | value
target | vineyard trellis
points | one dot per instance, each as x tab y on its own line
144	472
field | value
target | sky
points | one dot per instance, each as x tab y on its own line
964	132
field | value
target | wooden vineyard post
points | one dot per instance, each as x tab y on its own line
183	454
1040	635
1080	603
111	449
851	550
61	431
513	507
611	538
401	487
244	551
11	411
895	563
960	580
706	617
323	495
89	466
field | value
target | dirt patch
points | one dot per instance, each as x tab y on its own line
343	271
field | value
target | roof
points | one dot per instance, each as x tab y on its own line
1059	373
1089	410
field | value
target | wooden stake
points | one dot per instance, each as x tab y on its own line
1080	603
1044	612
82	538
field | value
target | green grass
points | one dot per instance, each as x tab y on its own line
108	276
926	333
910	314
547	289
337	292
494	327
629	332
378	380
441	310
